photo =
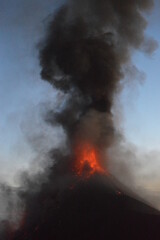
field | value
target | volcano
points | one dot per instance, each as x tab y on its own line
91	205
87	49
94	209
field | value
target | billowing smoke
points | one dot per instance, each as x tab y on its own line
87	46
84	55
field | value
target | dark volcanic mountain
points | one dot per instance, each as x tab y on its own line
94	209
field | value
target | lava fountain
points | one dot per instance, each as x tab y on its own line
88	160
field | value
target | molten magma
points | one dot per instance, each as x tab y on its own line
88	160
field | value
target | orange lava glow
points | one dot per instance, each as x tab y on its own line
87	160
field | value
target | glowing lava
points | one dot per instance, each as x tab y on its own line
87	160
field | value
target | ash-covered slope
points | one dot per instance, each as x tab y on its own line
93	209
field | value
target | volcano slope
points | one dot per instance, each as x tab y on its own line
93	209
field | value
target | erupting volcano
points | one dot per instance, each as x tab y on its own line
84	56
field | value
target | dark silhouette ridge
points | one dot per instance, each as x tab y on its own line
91	209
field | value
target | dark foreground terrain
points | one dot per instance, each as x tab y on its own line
93	210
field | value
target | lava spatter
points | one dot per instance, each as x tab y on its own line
88	160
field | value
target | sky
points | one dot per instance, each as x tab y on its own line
22	92
24	97
142	111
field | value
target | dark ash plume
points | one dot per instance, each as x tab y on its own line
87	45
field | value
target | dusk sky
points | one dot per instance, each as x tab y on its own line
23	95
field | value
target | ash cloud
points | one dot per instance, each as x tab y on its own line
84	54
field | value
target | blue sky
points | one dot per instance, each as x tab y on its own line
141	100
23	93
22	25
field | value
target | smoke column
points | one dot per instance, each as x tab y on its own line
88	43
